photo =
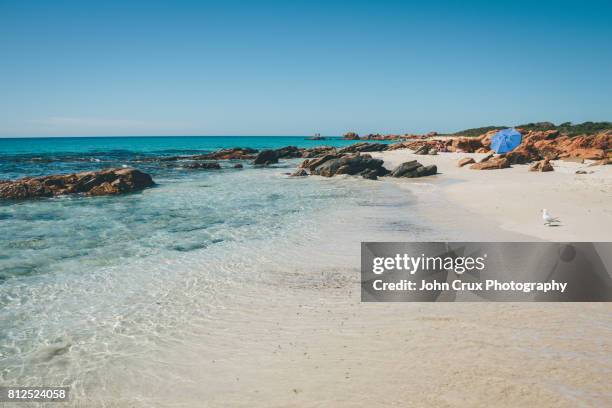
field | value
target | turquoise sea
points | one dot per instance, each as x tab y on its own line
188	210
21	157
91	286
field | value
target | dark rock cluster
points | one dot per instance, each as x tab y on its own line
413	169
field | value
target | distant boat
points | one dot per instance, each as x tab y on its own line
317	136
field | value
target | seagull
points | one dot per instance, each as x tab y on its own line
548	219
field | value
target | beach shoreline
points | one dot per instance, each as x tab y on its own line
278	320
512	198
313	342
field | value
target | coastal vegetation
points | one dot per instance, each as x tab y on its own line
566	128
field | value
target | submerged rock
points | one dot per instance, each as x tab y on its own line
93	183
203	165
236	153
237	166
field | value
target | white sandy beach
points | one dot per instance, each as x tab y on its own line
513	198
305	339
329	349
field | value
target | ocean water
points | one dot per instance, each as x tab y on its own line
21	157
88	284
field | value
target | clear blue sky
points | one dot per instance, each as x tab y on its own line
299	67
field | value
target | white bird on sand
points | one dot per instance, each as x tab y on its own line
548	219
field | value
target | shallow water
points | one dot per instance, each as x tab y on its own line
87	282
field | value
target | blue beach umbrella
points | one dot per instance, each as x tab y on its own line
506	140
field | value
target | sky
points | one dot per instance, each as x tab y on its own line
109	68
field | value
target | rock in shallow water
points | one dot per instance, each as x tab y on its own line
93	183
266	157
203	165
312	164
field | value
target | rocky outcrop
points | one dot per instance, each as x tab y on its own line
363	147
271	156
93	183
466	144
542	166
312	164
551	145
318	151
352	165
203	165
351	136
236	153
523	154
289	152
492	164
413	169
370	174
266	157
465	161
423	146
399	146
535	146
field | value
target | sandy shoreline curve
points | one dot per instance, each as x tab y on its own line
304	339
512	198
